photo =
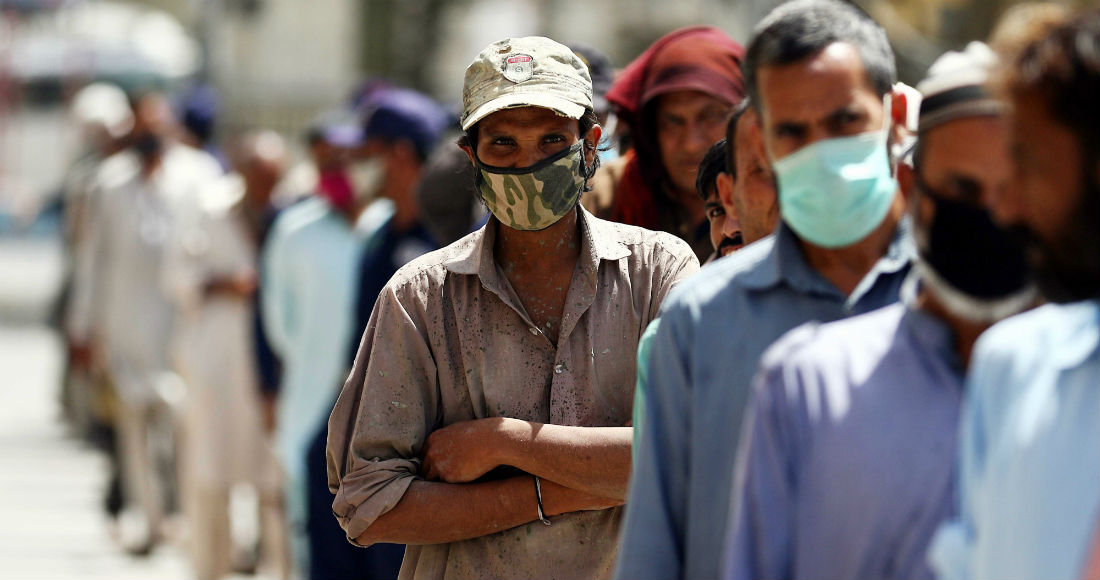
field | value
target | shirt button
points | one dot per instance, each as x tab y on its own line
559	368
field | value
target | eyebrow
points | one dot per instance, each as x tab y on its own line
835	116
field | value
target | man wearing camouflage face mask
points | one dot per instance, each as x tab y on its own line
485	422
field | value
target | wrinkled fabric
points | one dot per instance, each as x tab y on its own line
714	329
847	461
1029	473
223	423
449	341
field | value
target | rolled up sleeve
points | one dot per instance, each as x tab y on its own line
389	405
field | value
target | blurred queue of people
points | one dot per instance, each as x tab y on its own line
885	368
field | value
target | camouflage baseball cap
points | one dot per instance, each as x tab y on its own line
525	72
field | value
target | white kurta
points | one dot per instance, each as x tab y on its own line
119	300
224	437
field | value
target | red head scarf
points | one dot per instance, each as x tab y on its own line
698	58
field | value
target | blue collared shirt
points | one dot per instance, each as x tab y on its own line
847	465
713	331
1029	477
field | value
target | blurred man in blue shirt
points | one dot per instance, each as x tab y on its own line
1029	470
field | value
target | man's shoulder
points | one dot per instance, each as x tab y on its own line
1014	349
299	218
428	271
816	344
641	242
714	283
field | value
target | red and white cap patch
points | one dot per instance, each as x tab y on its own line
518	67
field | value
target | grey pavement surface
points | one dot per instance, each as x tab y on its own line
51	485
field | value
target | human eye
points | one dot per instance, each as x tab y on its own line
553	138
715	211
789	131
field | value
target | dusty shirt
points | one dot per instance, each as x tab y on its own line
449	341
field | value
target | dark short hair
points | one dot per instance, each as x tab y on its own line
586	122
731	132
713	163
802	28
1063	67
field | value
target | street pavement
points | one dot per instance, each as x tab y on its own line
51	484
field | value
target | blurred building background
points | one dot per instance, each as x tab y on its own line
276	63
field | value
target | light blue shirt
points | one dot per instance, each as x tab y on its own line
847	464
310	284
714	328
1030	449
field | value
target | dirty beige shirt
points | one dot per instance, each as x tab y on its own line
449	341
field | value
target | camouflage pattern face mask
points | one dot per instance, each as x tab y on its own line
536	197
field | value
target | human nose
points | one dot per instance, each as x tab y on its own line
731	227
528	156
1004	203
696	138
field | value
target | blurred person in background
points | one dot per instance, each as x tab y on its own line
447	196
820	73
401	127
102	114
675	99
212	265
121	312
847	463
603	74
198	108
309	283
1029	474
329	138
748	186
498	351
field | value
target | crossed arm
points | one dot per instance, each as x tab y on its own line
582	468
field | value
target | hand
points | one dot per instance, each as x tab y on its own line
462	452
80	355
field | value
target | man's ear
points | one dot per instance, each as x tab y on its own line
904	105
724	184
469	151
591	141
906	180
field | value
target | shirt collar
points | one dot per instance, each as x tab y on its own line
785	262
930	331
474	254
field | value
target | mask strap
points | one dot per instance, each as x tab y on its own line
532	168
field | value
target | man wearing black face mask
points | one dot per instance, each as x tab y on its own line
862	413
1029	471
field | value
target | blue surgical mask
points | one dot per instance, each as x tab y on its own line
835	192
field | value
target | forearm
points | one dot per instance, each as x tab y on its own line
436	513
595	460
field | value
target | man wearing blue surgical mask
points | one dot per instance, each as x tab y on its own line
846	466
821	74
